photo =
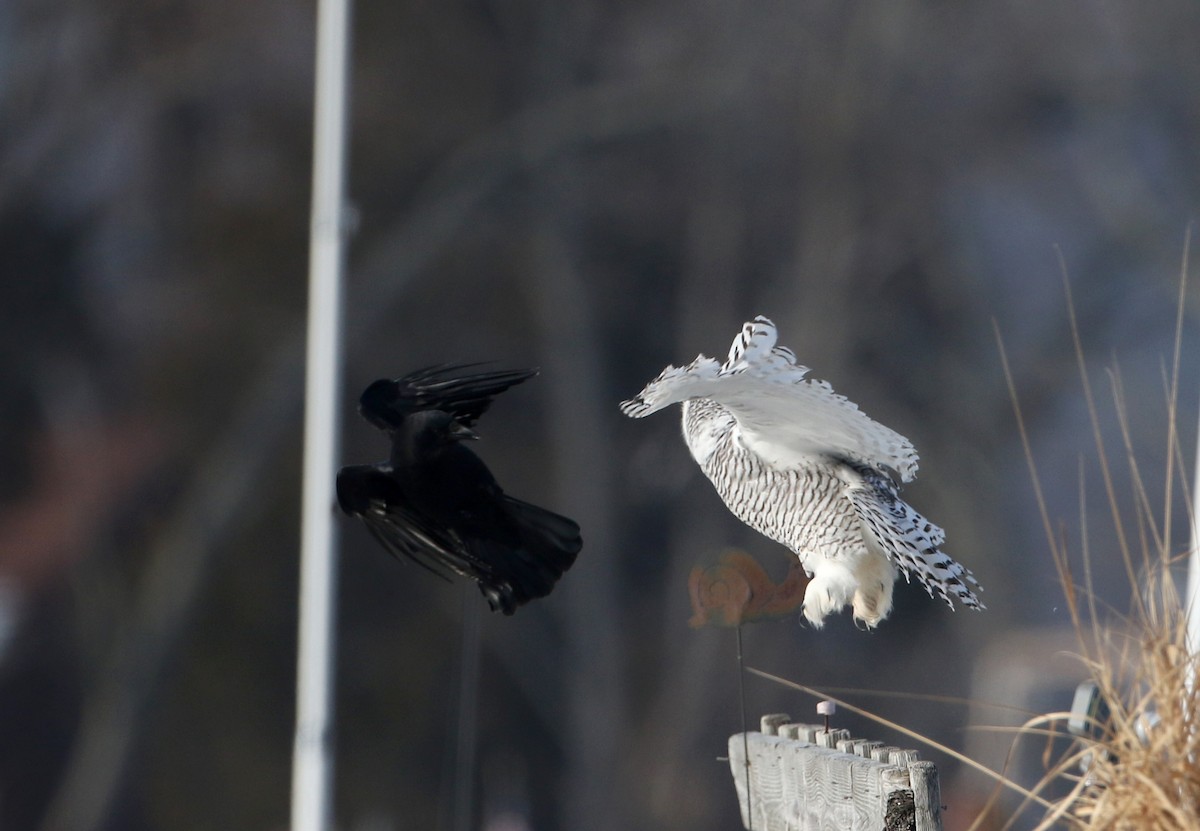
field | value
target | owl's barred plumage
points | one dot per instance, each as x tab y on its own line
805	467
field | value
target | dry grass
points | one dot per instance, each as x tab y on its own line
1144	753
1143	772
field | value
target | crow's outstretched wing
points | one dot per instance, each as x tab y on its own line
372	495
783	416
515	551
448	387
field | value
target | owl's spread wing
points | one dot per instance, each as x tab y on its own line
782	416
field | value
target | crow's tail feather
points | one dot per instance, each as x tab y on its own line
547	546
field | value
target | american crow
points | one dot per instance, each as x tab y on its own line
434	502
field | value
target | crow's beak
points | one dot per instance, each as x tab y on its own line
459	432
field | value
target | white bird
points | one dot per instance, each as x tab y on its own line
804	466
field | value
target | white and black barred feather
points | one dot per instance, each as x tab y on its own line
804	466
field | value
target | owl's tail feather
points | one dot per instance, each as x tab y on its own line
910	540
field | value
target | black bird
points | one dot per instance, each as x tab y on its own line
435	503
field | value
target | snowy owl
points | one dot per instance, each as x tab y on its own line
804	466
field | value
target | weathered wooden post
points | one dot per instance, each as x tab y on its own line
802	777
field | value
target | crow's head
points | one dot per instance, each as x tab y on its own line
377	404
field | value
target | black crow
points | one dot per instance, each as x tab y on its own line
435	502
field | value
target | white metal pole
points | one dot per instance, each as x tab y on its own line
312	760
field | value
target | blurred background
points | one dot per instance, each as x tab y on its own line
597	190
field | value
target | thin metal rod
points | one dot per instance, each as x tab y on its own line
462	808
745	729
312	760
